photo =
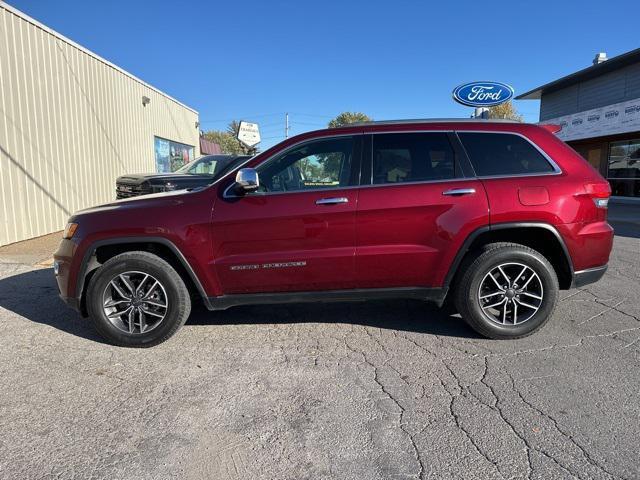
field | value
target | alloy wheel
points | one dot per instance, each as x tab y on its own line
510	294
135	302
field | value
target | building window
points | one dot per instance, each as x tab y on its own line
624	168
170	156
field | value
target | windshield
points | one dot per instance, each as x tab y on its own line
215	165
233	163
201	166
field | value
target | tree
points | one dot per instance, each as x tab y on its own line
505	110
345	118
228	141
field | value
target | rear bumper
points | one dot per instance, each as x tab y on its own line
590	275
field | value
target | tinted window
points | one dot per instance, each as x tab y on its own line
412	157
503	154
314	165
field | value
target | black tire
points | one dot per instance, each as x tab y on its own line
177	299
475	269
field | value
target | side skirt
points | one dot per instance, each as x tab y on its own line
435	295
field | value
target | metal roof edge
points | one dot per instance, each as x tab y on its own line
610	64
49	30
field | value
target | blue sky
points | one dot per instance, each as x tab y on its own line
255	60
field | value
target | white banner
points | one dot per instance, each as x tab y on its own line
610	120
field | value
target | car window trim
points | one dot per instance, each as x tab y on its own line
355	149
556	168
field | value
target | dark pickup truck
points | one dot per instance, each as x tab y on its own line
199	173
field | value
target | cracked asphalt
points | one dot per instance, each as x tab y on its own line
377	390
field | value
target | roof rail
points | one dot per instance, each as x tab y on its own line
434	120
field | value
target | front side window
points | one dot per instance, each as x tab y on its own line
412	157
503	154
312	166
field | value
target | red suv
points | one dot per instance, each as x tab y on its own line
496	216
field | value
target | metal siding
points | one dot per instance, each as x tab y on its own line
632	85
601	91
614	87
70	124
559	103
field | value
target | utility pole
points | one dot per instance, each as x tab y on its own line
286	125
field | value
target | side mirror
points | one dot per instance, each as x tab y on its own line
247	181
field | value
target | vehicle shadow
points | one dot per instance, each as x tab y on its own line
34	295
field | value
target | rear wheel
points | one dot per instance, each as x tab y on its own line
508	291
137	299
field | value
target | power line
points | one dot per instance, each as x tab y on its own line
296	122
262	115
312	115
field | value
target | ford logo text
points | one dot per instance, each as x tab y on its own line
482	94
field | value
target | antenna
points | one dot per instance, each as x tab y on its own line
286	125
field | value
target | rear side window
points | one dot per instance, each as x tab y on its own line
412	157
503	154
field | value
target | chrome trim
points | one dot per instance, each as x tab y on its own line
421	182
248	179
590	270
290	192
459	191
332	201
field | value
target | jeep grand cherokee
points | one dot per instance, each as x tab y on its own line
494	215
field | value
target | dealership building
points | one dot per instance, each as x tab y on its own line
598	109
70	123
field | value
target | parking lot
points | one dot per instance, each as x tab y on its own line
377	390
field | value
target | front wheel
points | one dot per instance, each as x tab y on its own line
137	299
509	291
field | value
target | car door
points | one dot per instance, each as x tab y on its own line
416	211
297	232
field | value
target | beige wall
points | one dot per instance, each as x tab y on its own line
70	123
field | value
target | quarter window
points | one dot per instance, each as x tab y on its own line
312	166
503	154
412	157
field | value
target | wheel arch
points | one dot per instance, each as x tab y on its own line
102	250
542	237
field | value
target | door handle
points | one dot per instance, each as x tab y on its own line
332	201
459	191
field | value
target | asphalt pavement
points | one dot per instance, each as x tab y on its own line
375	390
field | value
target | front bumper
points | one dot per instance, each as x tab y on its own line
590	275
63	268
71	302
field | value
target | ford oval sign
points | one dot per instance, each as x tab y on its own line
482	94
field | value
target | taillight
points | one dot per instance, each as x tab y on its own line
599	193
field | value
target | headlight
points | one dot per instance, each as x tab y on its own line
69	230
